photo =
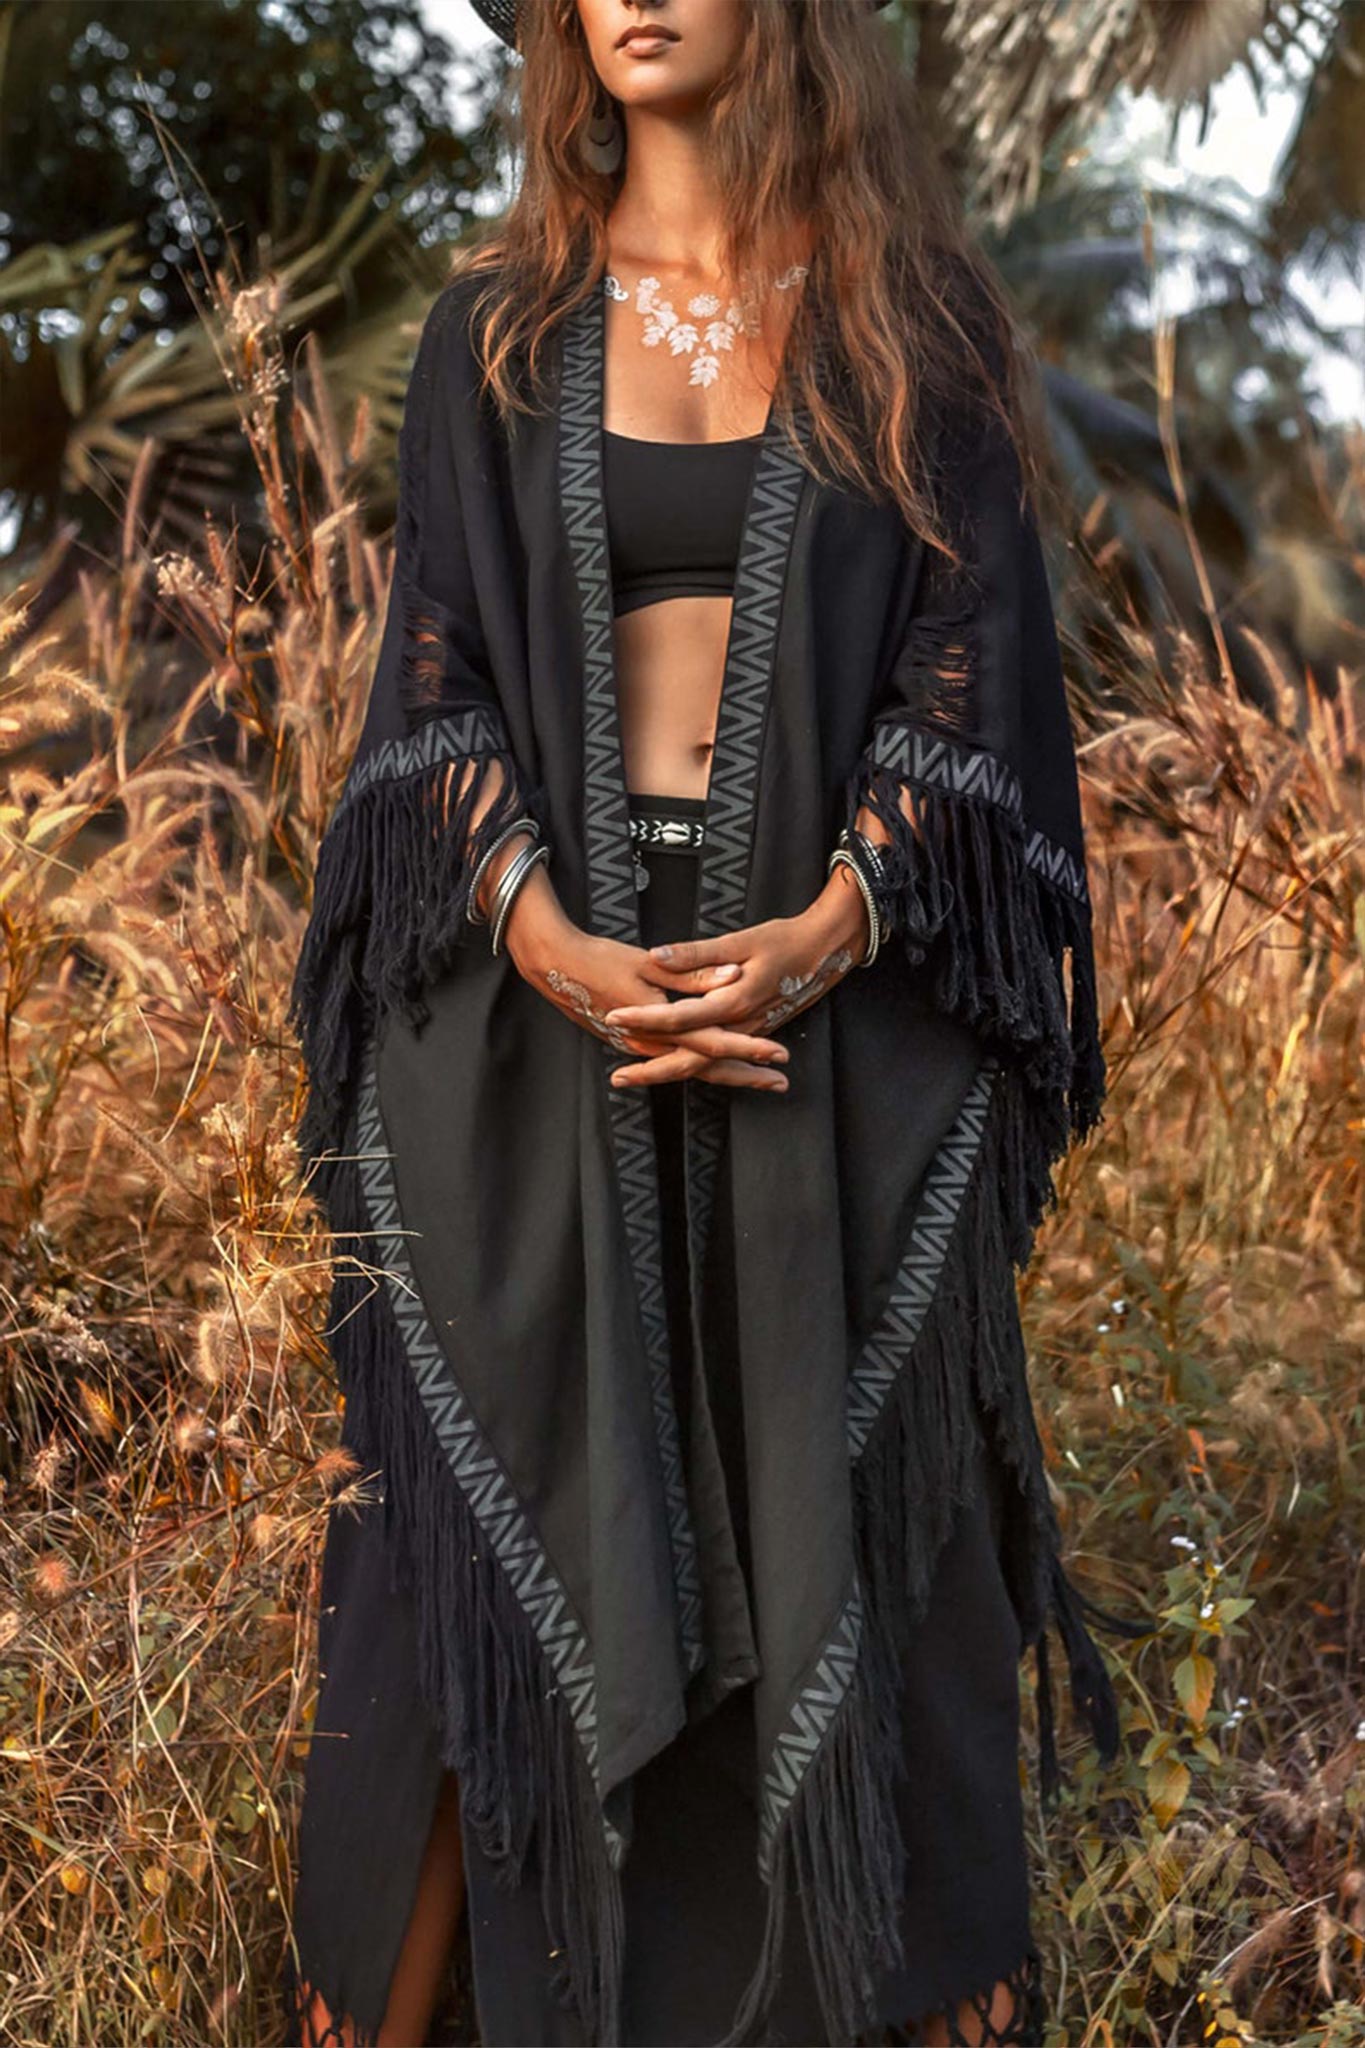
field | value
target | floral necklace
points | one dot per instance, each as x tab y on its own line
705	343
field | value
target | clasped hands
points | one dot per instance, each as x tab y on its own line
697	1009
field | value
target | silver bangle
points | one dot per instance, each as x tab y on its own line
841	857
509	888
524	824
871	851
507	880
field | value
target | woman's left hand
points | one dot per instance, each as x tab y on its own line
785	964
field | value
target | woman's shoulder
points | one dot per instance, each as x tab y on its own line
447	331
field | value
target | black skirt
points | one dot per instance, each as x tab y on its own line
693	1900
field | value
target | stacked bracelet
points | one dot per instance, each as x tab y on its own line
523	824
509	886
859	854
841	857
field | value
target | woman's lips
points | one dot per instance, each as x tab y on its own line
646	45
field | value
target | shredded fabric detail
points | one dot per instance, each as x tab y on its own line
437	654
936	671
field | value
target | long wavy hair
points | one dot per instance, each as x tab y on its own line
823	152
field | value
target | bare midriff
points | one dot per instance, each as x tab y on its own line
670	657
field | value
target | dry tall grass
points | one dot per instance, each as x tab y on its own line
1195	1309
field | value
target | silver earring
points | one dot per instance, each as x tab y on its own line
603	139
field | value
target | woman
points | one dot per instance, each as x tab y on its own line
684	1006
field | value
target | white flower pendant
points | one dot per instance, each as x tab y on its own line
705	345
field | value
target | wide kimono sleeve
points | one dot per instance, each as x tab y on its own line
434	779
970	766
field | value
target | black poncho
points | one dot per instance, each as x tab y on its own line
498	1325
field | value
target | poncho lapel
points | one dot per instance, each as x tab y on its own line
765	548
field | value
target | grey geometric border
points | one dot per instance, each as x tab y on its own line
884	1356
755	618
769	523
929	761
492	1499
615	912
456	736
812	1715
887	1350
933	762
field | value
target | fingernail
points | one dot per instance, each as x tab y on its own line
778	1085
728	972
611	1017
662	952
782	1054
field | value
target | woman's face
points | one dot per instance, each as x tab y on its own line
689	48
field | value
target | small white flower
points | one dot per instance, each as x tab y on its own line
1184	1543
645	292
1206	1610
1117	1391
1119	1306
1360	1731
704	304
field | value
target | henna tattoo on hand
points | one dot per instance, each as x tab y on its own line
575	993
798	991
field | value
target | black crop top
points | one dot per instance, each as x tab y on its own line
675	513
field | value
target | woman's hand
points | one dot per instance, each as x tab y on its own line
785	965
586	977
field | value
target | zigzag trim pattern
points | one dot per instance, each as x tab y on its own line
746	683
885	1355
615	912
931	762
812	1715
936	763
1058	866
475	1465
456	737
755	617
887	1351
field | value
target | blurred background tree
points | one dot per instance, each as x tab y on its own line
307	140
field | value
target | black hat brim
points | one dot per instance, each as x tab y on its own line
501	17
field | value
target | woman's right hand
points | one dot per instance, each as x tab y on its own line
585	976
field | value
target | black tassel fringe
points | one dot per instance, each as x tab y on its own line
961	894
390	898
502	1720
